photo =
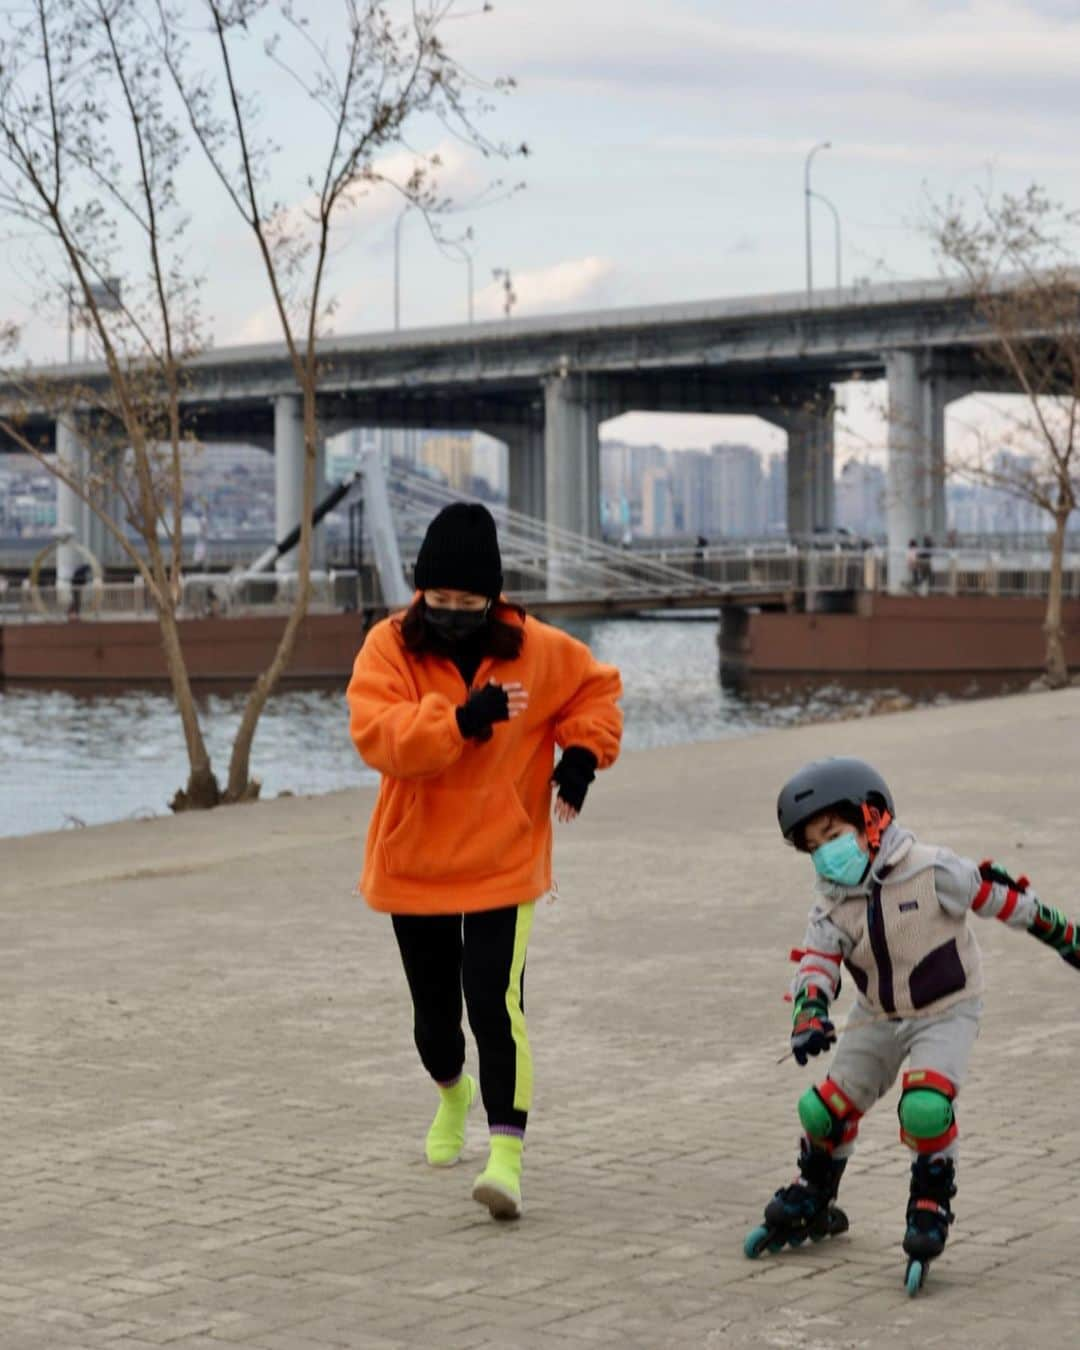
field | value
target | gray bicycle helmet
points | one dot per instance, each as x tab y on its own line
828	782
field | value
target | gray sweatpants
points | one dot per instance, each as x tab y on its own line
870	1053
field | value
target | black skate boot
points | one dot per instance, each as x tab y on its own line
805	1209
928	1216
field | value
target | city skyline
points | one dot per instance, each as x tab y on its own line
730	490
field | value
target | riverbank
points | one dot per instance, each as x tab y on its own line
214	1119
84	755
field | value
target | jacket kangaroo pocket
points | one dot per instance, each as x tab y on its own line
937	975
448	834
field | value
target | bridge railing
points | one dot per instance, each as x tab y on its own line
968	573
203	595
772	567
780	566
698	576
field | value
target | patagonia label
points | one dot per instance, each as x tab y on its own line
909	904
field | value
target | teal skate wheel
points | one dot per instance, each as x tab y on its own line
797	1240
916	1275
757	1240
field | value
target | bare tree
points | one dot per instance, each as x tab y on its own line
1010	255
90	88
373	78
88	166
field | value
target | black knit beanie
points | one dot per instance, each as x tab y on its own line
460	552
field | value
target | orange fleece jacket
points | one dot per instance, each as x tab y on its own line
464	825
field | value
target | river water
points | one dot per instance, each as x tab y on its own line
73	758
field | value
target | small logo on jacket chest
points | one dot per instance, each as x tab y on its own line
908	904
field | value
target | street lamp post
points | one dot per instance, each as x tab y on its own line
397	267
836	226
821	145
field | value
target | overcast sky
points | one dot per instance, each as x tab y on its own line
668	142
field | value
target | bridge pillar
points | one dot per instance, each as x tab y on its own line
940	388
907	502
811	493
94	535
69	509
72	513
525	447
572	455
289	479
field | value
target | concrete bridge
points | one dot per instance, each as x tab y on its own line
543	386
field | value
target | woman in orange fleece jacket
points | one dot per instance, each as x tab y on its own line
460	703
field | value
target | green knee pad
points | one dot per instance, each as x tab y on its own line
925	1113
815	1117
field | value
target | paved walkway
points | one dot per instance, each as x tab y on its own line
212	1118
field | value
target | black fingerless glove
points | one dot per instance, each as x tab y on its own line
481	709
573	774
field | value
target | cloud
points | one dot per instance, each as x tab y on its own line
746	243
939	152
456	178
368	222
694	431
985	40
575	284
999	54
261	325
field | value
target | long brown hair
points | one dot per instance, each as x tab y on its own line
503	640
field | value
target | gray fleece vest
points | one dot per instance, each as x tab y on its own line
908	955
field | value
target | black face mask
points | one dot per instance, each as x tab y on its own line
452	625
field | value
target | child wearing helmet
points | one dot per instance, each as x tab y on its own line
893	912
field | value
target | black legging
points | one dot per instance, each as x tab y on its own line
484	954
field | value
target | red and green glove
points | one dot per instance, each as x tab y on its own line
812	1033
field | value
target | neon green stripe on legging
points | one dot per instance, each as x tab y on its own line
523	1065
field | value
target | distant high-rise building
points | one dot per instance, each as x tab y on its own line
465	459
776	495
737	491
622	478
985	508
692	475
860	498
490	463
657	504
450	453
402	444
344	450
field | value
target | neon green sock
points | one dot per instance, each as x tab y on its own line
499	1185
446	1138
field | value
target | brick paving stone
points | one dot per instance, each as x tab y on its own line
213	1118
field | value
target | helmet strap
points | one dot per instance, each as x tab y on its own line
875	823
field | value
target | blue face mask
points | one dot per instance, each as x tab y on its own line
842	860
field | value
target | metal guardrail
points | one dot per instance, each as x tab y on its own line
204	595
773	566
713	575
238	551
